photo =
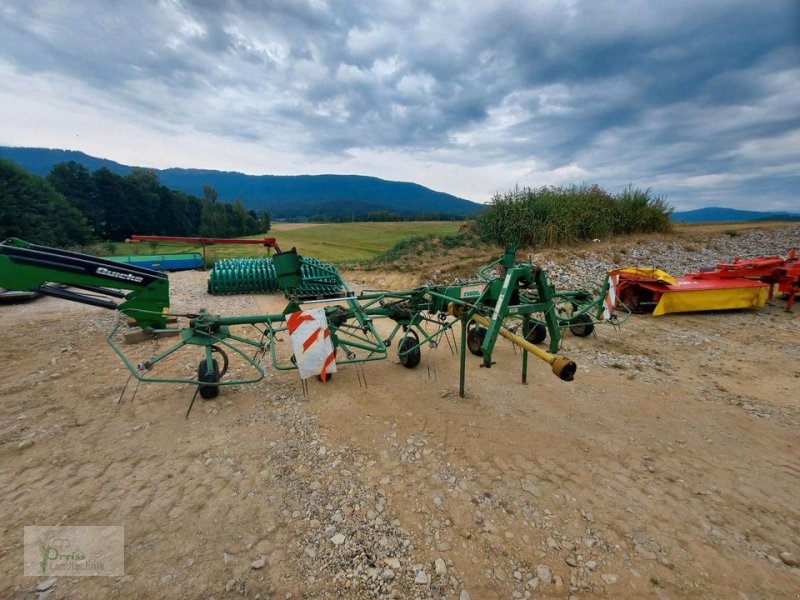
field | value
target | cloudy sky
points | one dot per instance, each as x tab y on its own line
697	99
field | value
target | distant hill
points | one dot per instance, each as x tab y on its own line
286	197
714	214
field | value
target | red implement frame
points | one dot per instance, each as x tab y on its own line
785	272
268	242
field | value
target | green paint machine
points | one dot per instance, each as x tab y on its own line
509	300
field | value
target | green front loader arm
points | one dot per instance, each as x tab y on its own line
96	281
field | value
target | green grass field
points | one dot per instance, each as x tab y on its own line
329	242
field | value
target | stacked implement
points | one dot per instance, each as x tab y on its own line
258	275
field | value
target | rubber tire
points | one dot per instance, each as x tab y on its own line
207	392
538	334
410	360
475	337
581	326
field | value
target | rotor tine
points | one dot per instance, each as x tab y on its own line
431	363
428	364
191	404
136	390
125	387
449	343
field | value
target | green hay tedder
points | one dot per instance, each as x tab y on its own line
508	299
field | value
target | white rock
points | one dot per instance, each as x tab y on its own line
46	584
609	578
337	540
543	572
421	578
259	563
441	568
570	560
789	559
392	563
530	487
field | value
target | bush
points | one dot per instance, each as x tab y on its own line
426	243
556	215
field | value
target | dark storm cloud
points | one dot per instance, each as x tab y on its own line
627	91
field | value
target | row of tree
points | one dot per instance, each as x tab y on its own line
73	206
384	216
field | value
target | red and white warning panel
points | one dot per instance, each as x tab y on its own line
311	343
610	301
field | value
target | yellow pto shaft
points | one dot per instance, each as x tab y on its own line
564	368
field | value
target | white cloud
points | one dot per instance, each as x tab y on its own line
697	100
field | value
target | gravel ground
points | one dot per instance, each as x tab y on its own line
675	258
380	505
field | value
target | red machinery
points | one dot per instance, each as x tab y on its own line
267	242
740	284
772	270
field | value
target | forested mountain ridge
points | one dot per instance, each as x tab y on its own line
334	197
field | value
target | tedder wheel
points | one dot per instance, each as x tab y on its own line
412	333
581	325
203	374
537	334
475	338
412	358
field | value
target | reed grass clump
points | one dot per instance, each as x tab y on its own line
549	216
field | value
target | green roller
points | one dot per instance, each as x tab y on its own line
262	275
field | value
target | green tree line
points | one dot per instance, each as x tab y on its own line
73	206
383	216
548	216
